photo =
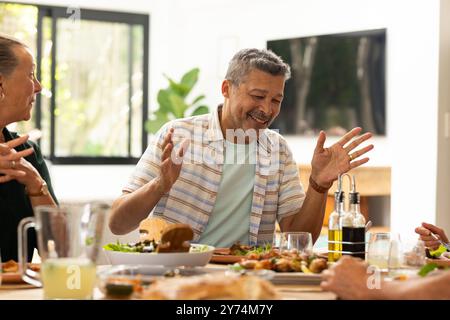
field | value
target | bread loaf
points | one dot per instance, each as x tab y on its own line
175	238
211	286
152	229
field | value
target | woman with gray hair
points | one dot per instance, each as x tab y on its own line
24	177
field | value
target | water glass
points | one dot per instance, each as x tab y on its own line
276	243
297	241
69	240
378	250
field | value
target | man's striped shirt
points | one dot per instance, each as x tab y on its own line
277	191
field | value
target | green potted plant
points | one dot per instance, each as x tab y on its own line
173	102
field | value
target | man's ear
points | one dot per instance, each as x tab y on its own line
226	88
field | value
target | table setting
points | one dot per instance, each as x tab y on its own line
166	264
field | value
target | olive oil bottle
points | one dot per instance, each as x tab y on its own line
334	227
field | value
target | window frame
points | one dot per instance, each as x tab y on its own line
56	12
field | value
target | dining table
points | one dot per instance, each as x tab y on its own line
23	291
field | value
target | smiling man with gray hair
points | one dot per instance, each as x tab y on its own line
237	178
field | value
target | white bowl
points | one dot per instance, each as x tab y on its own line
189	259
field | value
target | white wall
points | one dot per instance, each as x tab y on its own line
203	33
443	169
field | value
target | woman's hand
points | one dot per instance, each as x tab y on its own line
328	163
32	180
13	166
425	235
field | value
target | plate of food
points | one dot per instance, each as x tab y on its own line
237	252
10	274
198	255
165	245
157	282
287	267
121	281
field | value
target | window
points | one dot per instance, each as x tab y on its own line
93	66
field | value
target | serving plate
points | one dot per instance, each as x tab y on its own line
285	278
297	278
189	259
11	278
150	273
223	256
14	279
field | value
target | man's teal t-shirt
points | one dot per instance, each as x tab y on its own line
230	220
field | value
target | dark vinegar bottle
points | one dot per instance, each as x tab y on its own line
357	232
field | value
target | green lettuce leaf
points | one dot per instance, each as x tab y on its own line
437	253
426	269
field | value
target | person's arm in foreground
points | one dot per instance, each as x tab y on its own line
351	278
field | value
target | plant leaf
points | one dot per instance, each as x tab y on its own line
178	105
190	78
199	98
154	125
178	88
165	104
161	115
172	102
200	110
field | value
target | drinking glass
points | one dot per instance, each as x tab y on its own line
378	250
69	240
276	243
296	241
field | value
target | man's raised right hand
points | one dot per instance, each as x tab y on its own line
171	162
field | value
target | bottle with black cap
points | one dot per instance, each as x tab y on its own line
353	230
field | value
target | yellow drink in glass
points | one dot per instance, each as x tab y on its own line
68	278
380	261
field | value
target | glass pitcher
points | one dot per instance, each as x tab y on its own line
69	241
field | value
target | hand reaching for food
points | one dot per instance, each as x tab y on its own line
431	235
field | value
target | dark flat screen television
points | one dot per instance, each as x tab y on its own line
338	82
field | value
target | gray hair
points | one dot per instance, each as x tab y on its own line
8	59
248	59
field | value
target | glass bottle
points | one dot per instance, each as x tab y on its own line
356	233
334	228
